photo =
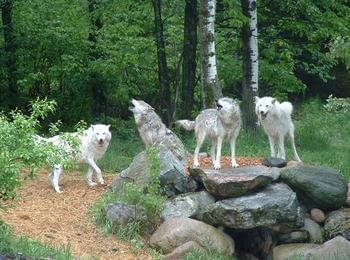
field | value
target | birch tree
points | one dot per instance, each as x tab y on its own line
250	62
209	75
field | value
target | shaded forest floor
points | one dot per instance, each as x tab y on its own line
64	219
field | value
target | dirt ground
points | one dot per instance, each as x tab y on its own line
63	219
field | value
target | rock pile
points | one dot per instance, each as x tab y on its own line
278	211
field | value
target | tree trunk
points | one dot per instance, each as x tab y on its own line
165	100
10	54
250	63
98	93
189	54
209	77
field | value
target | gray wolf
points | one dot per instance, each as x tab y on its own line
218	124
276	121
92	145
149	124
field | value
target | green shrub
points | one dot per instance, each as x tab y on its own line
335	104
20	148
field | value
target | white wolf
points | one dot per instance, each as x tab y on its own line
93	144
218	124
276	120
150	126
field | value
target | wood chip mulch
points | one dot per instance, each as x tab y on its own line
64	219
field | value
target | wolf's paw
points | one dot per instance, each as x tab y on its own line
101	182
92	184
234	164
217	166
58	189
196	165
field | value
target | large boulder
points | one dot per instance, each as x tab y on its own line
234	182
187	205
175	232
317	187
276	204
337	248
338	223
172	158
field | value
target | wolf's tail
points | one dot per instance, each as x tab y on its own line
186	124
287	107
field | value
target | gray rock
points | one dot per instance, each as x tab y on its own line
317	215
314	230
337	248
234	182
175	232
173	159
276	204
338	223
317	187
299	236
275	162
187	205
120	214
181	251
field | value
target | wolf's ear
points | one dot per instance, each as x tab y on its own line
273	101
256	99
108	126
150	108
92	127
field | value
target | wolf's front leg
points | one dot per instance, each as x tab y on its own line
281	152
217	164
98	171
89	177
272	146
234	164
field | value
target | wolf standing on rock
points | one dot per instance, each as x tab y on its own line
218	124
276	120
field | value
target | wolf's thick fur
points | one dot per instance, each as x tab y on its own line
150	126
218	124
276	120
93	144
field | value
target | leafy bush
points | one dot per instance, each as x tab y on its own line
335	104
21	148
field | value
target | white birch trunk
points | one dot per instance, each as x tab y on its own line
212	71
209	75
253	45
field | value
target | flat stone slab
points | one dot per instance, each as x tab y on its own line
235	182
276	204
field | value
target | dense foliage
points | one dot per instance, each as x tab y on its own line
301	48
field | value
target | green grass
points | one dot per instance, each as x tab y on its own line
23	246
